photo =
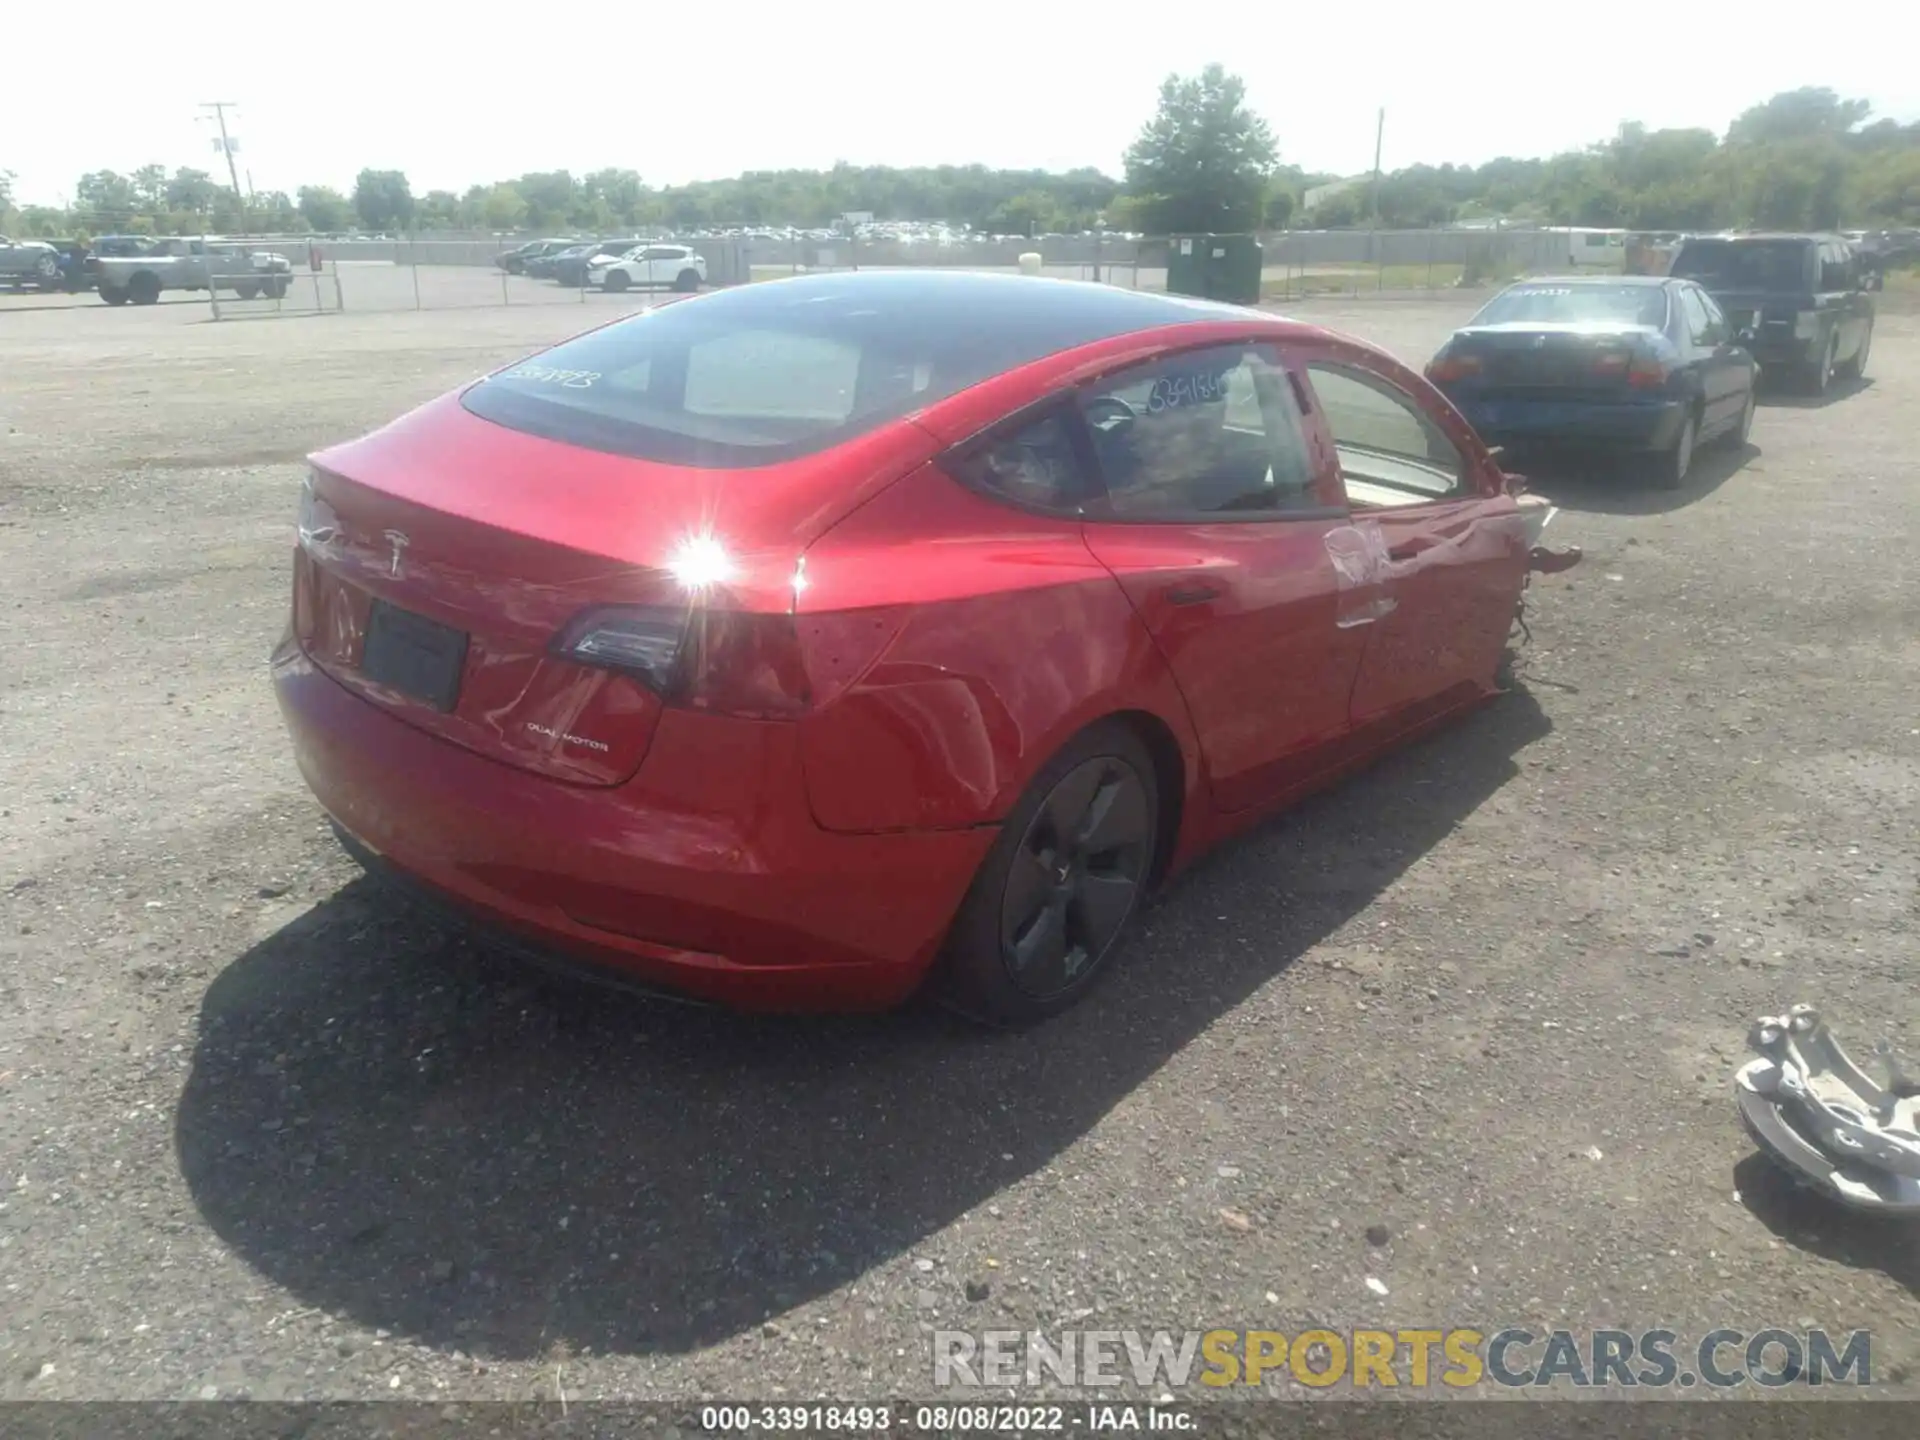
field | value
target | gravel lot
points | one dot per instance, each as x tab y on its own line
262	1133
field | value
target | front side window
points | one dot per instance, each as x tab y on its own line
1391	451
1213	432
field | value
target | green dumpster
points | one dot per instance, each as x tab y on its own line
1215	267
1186	265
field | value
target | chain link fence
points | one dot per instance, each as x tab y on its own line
460	271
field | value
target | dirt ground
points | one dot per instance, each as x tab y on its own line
264	1133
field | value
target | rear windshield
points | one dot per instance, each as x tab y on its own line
1577	304
1779	265
774	371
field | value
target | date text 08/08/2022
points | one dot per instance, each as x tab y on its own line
964	1417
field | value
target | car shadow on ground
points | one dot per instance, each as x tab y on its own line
1622	487
410	1133
1782	396
1806	1220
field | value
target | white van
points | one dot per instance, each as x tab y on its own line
1593	249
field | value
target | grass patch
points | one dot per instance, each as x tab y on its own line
1366	279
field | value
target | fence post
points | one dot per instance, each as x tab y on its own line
339	298
506	295
413	264
213	289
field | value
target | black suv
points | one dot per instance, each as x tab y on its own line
1800	302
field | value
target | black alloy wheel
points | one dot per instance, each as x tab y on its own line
1075	876
1054	894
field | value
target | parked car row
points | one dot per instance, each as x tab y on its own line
619	264
140	269
1658	366
45	265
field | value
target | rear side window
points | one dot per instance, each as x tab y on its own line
1699	323
1036	465
1837	270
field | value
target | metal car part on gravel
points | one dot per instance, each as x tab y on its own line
1831	1125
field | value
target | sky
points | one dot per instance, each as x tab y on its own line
455	95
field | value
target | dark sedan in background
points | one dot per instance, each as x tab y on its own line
1641	366
571	267
1803	299
515	261
543	267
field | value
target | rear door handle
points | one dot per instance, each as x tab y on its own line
1197	593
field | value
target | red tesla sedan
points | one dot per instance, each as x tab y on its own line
792	644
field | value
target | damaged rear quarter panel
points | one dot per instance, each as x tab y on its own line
1010	638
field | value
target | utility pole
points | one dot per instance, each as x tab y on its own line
219	109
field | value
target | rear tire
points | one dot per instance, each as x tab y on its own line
1054	894
275	289
246	290
1736	438
144	288
1671	465
1819	376
687	281
616	281
1856	368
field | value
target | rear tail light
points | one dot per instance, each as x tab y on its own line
1646	372
723	661
1449	368
643	643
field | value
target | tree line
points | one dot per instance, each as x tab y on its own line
1803	159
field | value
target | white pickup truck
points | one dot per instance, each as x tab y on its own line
196	264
